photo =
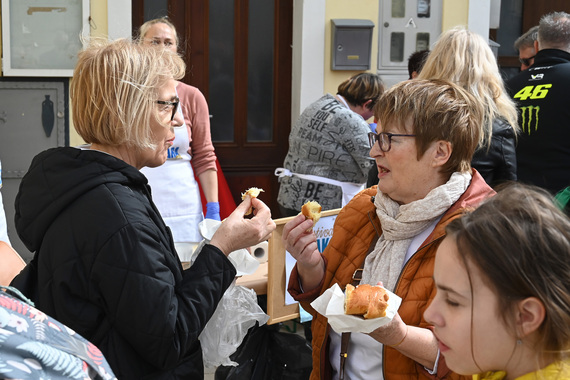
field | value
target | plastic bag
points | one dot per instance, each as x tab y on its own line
236	313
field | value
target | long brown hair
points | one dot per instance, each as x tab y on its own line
520	241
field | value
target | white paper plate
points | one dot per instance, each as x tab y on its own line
331	305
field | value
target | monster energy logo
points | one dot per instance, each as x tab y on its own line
529	119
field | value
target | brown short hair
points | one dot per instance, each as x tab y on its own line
520	241
360	88
437	110
114	89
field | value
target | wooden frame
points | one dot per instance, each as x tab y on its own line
40	40
277	309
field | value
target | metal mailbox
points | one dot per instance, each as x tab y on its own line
351	44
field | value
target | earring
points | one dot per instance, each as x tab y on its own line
519	342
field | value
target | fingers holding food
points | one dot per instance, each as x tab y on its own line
253	192
237	232
311	210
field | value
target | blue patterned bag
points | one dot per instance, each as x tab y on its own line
36	346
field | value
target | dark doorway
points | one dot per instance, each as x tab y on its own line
239	55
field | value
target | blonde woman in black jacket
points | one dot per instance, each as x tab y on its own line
105	263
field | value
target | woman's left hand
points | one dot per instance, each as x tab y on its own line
391	334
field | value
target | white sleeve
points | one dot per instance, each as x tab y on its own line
3	225
434	370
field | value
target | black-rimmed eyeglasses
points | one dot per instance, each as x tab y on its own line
173	104
527	61
384	139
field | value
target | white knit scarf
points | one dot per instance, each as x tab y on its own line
401	223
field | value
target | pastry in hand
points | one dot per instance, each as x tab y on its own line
312	210
253	192
366	300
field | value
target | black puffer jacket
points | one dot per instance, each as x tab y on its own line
499	162
107	267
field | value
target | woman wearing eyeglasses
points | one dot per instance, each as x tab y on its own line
174	186
427	132
105	263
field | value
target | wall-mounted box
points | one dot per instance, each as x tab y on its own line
351	44
406	26
43	38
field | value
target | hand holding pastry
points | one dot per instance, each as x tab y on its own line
237	232
253	192
301	243
311	210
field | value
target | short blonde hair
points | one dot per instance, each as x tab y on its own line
437	110
465	58
114	89
143	30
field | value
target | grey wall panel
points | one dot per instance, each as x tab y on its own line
33	117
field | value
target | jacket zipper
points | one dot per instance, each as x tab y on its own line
398	281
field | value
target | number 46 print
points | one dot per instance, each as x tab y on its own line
533	92
529	114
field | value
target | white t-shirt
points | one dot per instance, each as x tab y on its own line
364	359
3	225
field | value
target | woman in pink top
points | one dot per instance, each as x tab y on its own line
175	190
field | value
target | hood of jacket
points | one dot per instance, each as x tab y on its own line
56	178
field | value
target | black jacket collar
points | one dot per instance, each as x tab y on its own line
548	57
